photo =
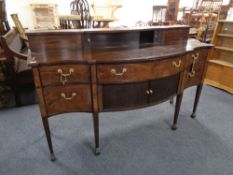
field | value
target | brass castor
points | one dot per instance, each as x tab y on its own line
174	127
52	157
193	115
171	101
97	151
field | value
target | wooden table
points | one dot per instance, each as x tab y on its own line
97	70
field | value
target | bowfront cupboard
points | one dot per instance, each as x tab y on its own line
97	70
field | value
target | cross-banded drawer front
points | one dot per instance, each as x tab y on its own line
64	74
120	73
70	98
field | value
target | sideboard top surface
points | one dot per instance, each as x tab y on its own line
137	44
104	30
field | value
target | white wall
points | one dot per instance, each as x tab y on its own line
22	8
131	11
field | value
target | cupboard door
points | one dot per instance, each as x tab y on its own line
161	89
123	96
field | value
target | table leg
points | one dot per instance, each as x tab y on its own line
96	132
197	97
171	100
177	110
48	136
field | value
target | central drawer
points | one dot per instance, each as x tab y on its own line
121	73
63	74
68	98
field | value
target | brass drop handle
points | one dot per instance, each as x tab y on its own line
60	71
114	72
177	65
195	56
193	72
63	76
63	95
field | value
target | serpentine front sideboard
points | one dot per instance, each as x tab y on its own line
96	70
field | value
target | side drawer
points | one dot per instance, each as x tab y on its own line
195	68
70	98
62	74
201	55
121	73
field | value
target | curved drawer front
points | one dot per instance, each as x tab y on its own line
70	98
120	73
168	67
64	74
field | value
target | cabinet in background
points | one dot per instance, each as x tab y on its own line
220	65
45	16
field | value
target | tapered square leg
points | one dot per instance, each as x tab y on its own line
48	136
177	111
197	97
96	132
17	97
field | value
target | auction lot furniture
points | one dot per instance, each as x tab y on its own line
97	70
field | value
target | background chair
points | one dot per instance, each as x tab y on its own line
103	13
19	74
81	8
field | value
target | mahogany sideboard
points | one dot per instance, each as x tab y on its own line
96	70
